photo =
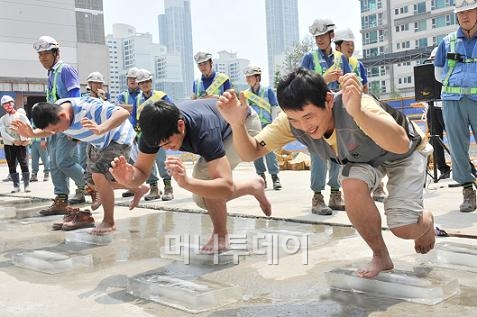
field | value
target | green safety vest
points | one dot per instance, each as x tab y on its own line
260	102
51	95
318	61
354	63
156	96
213	89
451	66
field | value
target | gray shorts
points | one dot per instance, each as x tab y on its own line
406	178
99	161
253	125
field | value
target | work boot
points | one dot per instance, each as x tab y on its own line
154	193
78	198
262	175
7	179
276	182
127	194
26	181
168	193
81	219
16	182
59	207
319	207
469	200
34	177
46	177
336	201
96	200
69	216
379	194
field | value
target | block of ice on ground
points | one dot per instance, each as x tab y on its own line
405	285
51	262
85	236
191	254
8	212
453	255
184	292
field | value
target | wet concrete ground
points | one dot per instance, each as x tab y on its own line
286	288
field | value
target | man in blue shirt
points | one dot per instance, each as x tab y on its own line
195	127
63	82
211	84
456	67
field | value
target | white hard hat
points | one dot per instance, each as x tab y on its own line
132	72
344	35
251	70
201	57
143	75
321	26
6	98
464	5
45	43
95	77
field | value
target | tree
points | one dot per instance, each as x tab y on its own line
294	54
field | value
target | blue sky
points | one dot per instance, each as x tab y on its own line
233	25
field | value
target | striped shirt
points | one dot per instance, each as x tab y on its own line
99	111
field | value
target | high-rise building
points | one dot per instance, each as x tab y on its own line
282	31
229	64
175	32
398	35
78	27
128	48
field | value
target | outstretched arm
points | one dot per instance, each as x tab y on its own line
117	118
235	113
129	175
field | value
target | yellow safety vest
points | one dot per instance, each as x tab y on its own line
213	89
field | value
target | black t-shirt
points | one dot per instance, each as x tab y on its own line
205	130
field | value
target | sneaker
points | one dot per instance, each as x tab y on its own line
57	225
78	198
46	177
34	177
336	201
468	205
81	219
168	193
379	194
276	182
59	207
154	193
127	194
264	179
319	207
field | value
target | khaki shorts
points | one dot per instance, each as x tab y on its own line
406	178
99	161
253	125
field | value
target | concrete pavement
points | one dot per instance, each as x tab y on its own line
285	289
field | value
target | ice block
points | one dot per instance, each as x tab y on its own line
184	292
191	254
51	262
454	255
85	236
405	285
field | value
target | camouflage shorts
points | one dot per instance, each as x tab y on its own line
99	161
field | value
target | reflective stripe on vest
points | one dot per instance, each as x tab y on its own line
318	61
354	63
51	95
213	89
259	101
156	96
451	65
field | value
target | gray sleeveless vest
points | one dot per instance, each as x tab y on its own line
354	146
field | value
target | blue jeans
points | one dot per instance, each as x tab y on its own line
318	173
458	116
81	149
272	164
160	158
36	153
63	164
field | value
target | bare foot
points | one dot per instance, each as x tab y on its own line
259	194
138	193
103	228
425	243
377	265
216	243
